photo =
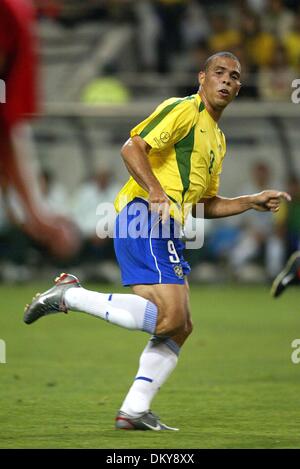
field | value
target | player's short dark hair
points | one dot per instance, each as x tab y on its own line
219	54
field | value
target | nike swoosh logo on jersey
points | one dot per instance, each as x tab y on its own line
202	130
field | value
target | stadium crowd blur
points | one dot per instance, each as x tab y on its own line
171	37
181	34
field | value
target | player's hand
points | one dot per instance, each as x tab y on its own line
269	201
159	203
56	232
67	240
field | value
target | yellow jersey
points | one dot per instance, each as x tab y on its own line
187	151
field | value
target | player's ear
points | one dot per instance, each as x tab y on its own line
201	78
238	90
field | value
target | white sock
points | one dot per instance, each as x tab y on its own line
129	311
157	362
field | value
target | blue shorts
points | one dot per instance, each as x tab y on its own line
147	251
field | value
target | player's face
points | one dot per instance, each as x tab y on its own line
221	82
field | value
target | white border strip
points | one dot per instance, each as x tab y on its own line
155	260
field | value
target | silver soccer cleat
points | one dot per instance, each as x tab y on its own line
147	421
51	301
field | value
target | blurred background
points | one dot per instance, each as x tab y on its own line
104	66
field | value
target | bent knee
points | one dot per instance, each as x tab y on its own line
188	327
172	322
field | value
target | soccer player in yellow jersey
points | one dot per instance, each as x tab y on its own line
174	158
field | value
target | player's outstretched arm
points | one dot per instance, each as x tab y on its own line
269	200
218	207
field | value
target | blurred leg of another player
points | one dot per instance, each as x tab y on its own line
290	275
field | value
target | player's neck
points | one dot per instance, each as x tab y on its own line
214	113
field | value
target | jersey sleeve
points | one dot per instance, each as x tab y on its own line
168	124
7	33
19	54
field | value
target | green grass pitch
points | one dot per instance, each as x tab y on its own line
235	385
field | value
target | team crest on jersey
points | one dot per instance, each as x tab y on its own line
178	270
165	137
